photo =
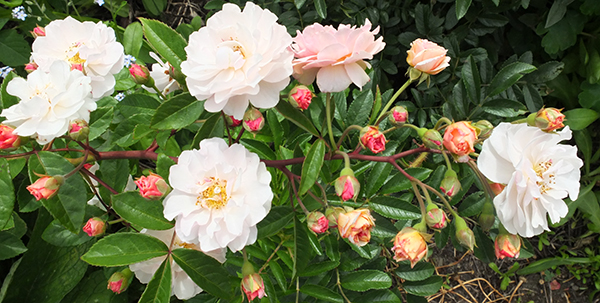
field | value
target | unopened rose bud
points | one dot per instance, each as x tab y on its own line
141	75
253	120
30	67
95	227
450	184
252	283
507	245
232	122
300	97
356	226
176	74
8	140
373	139
464	234
487	218
347	186
547	119
436	218
398	115
152	187
427	57
45	187
484	129
497	188
38	31
333	213
317	222
459	138
431	138
79	130
409	244
120	280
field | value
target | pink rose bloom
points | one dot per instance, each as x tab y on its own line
334	57
372	139
152	187
427	57
459	138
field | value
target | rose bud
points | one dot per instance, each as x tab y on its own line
459	138
8	140
253	120
431	138
427	57
176	74
152	187
78	130
141	75
300	97
464	234
409	244
38	31
356	226
30	67
120	280
45	187
253	286
436	218
317	222
450	184
484	129
507	245
547	119
347	186
373	139
497	188
232	122
95	227
487	218
333	213
398	115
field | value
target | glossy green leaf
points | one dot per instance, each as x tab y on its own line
10	246
394	208
260	148
92	288
420	272
471	80
296	117
379	296
580	118
363	280
140	211
133	38
278	274
318	268
163	165
321	293
158	289
100	120
545	72
541	265
360	109
472	205
508	76
485	246
123	134
462	6
278	218
207	129
557	12
312	166
380	172
14	50
205	271
124	249
301	252
299	3
321	8
399	182
56	234
177	112
137	104
426	287
165	41
504	108
7	198
154	7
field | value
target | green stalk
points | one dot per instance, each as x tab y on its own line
394	97
329	128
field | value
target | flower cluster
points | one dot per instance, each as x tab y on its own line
19	13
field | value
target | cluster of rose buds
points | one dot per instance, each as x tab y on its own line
352	224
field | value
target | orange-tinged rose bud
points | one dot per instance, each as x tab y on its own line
30	67
141	75
95	227
410	245
300	97
507	245
317	222
8	140
152	187
427	57
549	119
253	286
398	115
253	120
459	138
497	188
356	226
120	280
45	187
373	139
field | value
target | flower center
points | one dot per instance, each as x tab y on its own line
544	181
75	59
215	196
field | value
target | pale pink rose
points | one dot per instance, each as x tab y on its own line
460	137
427	57
335	57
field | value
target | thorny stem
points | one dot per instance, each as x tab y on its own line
339	284
85	156
237	140
172	241
394	97
87	172
291	176
329	127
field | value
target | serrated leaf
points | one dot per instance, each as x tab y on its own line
100	120
278	274
57	235
133	38
260	148
163	165
297	117
136	209
165	41
177	112
321	293
318	268
426	287
504	108
302	251
137	104
379	296
363	280
508	76
92	288
124	249
7	198
399	182
472	205
471	80
420	272
312	166
278	218
394	208
205	271
10	246
360	108
154	7
158	289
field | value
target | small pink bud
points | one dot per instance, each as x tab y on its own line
347	186
398	115
300	97
253	286
38	31
507	245
152	187
464	234
30	67
317	222
436	218
78	129
8	140
95	227
431	138
120	280
450	184
141	75
373	139
45	187
232	122
253	120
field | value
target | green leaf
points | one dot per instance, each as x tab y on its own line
545	72
301	252
485	247
321	8
163	165
580	118
123	134
394	208
133	37
557	12
177	112
321	293
100	120
472	205
399	182
57	235
165	41
508	76
10	246
471	79
137	104
278	218
207	129
541	265
299	3
587	203
158	289
504	108
92	288
379	296
420	272
318	268
426	287
8	100
360	108
154	7
312	166
462	6
124	249
7	198
563	34
363	280
136	209
262	149
14	50
205	271
278	274
297	117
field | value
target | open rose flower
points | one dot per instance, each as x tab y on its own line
459	138
356	226
335	57
182	286
538	172
239	57
89	47
220	193
253	286
427	57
